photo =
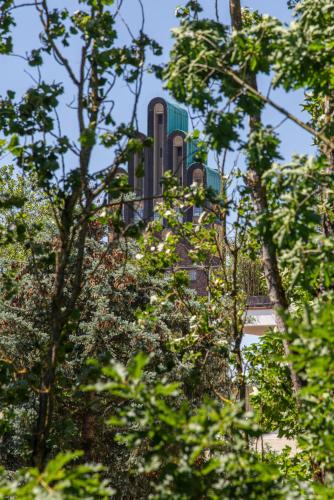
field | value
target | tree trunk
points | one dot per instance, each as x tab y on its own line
241	381
235	12
61	310
328	223
45	411
254	180
237	329
46	396
88	428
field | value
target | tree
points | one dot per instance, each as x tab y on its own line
215	71
63	165
58	480
188	455
115	291
177	420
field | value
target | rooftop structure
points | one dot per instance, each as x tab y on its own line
168	125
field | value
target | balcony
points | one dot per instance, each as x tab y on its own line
260	315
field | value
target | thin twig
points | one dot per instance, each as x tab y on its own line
27	4
217	11
61	59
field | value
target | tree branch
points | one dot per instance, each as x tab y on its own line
46	25
271	103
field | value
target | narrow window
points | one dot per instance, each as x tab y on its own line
192	275
158	135
197	211
138	214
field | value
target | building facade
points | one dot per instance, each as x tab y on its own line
168	126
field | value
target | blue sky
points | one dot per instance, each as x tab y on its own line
160	19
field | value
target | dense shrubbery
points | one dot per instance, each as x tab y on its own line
103	346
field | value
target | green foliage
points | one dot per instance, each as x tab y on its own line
210	70
57	481
262	149
292	3
46	237
309	418
24	210
177	421
305	56
105	323
6	23
202	454
313	357
268	377
199	44
297	207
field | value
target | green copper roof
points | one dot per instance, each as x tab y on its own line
191	151
213	179
177	118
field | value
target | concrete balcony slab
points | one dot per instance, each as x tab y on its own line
259	320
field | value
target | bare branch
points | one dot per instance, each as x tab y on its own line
81	86
27	4
217	11
61	59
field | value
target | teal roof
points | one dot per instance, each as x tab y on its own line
213	179
191	151
192	148
177	118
